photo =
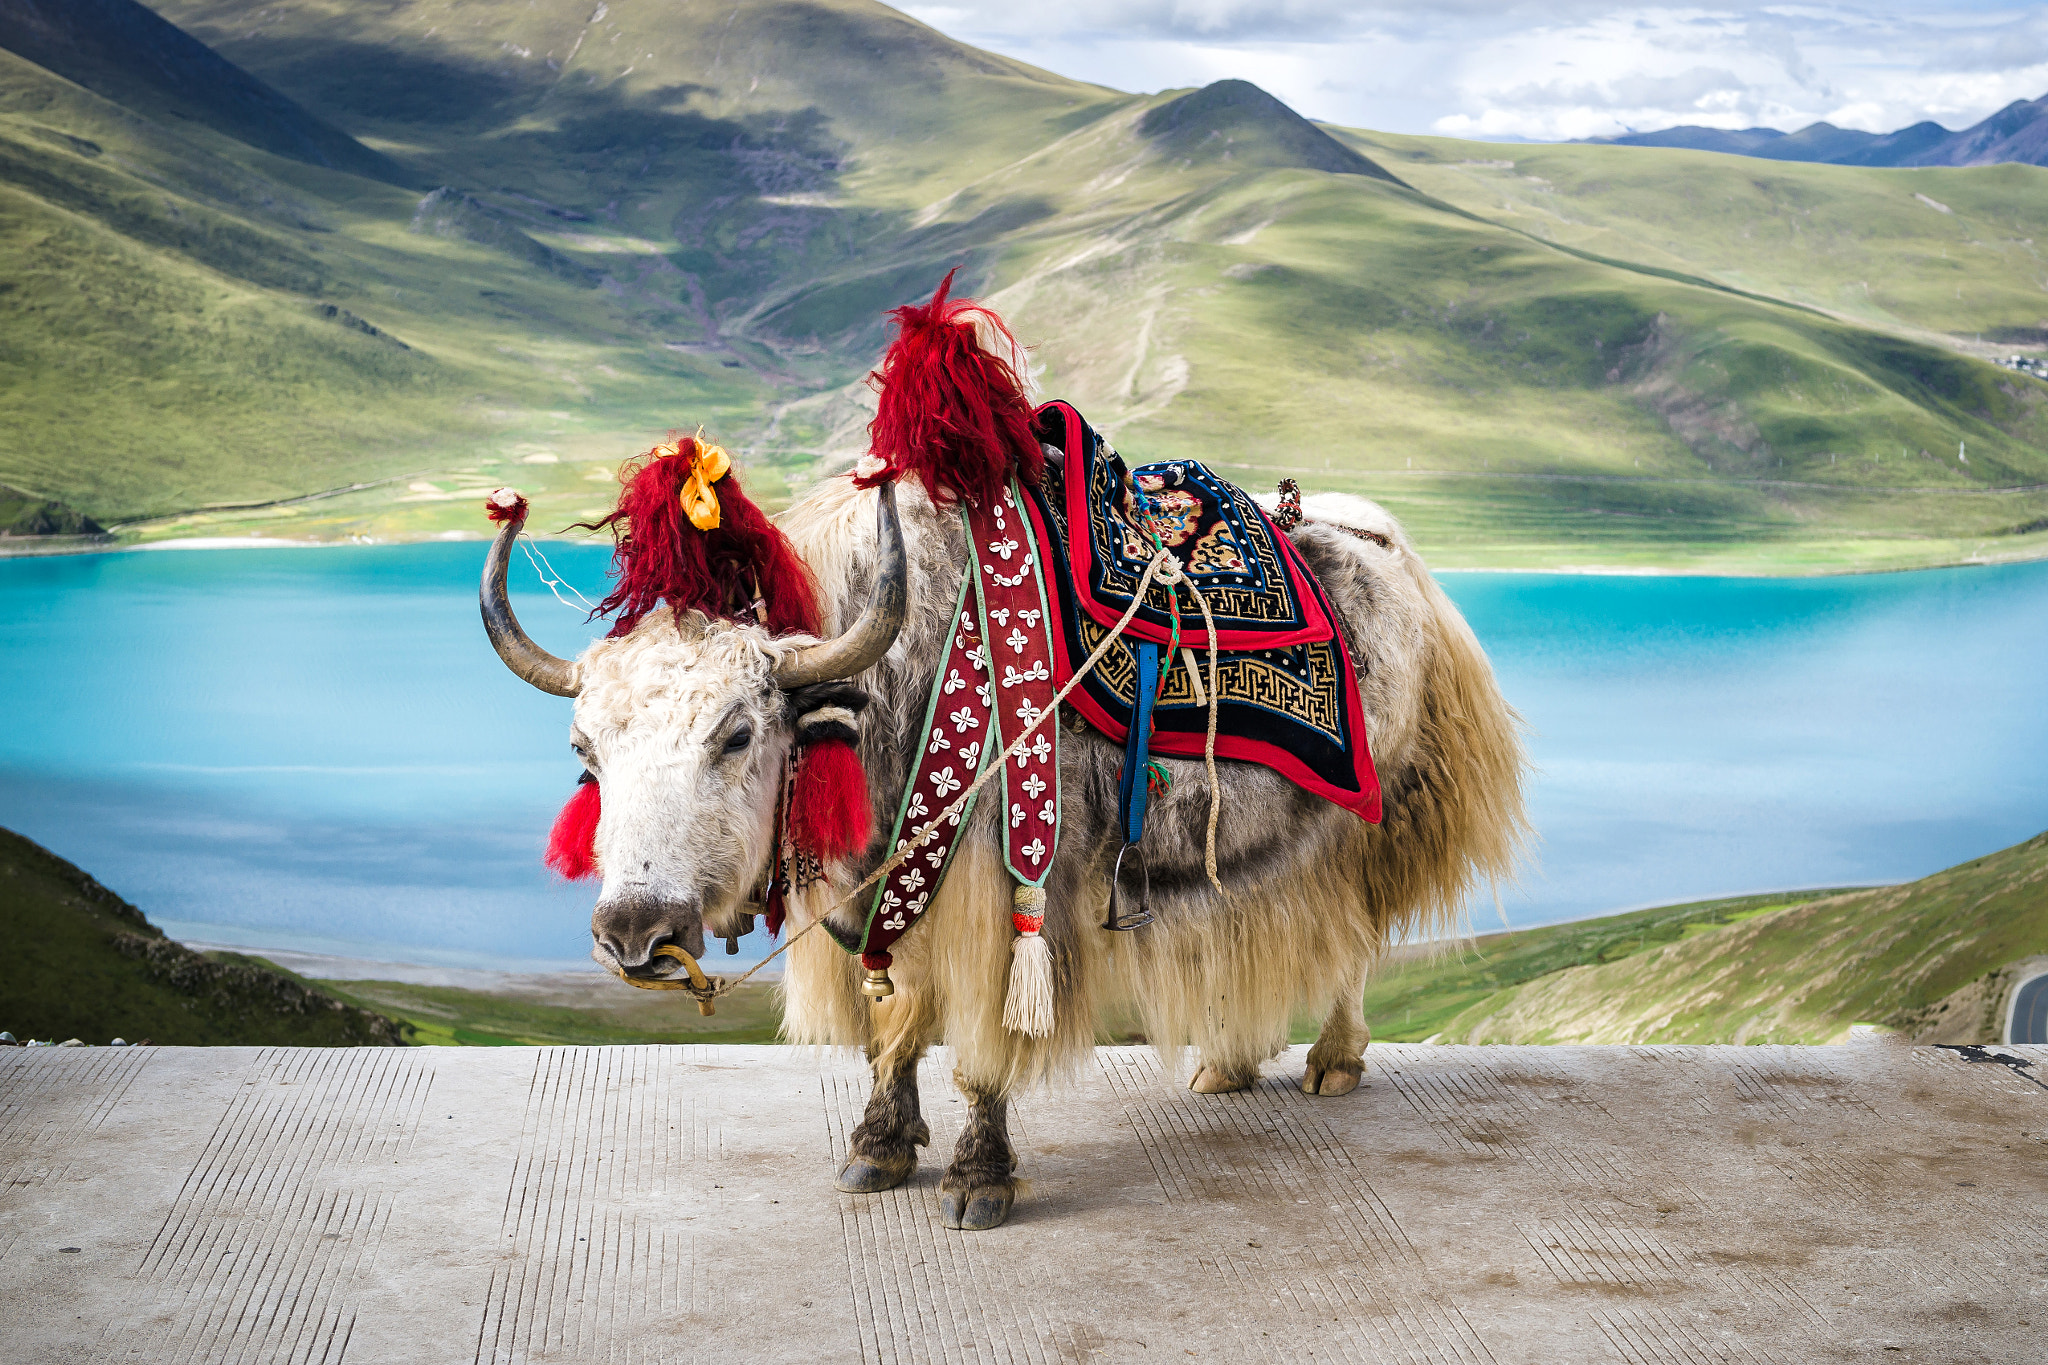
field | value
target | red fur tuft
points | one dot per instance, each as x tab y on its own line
950	414
829	814
512	508
661	557
572	843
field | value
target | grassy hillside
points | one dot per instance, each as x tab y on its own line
1919	957
673	212
83	963
536	1016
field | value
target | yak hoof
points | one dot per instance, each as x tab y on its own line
1332	1080
1210	1081
860	1176
976	1210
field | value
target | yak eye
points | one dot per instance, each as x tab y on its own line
738	740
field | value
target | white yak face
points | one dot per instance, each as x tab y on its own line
686	733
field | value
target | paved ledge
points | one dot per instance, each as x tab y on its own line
644	1205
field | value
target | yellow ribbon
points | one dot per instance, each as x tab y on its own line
699	499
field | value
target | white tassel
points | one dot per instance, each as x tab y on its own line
1028	1007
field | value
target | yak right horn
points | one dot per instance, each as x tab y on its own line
867	639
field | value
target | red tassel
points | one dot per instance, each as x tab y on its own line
572	843
950	414
505	504
828	811
661	557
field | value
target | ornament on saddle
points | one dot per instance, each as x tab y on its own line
952	413
686	536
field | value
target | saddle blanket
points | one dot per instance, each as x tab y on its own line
1288	693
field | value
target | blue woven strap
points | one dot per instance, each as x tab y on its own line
1130	789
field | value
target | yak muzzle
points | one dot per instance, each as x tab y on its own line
626	932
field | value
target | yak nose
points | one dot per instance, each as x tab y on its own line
628	931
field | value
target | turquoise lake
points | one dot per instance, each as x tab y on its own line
316	749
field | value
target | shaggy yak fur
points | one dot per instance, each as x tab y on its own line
683	723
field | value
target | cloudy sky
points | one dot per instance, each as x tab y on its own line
1545	71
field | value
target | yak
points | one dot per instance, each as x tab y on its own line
687	720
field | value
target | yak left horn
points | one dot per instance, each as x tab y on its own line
562	677
869	637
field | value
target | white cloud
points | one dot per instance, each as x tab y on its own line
1559	69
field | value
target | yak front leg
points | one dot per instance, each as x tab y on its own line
1337	1061
883	1152
981	1184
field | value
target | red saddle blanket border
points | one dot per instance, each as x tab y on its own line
1364	803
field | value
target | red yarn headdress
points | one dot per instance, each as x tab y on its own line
688	536
720	570
951	414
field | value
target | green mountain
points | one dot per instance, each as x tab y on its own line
627	218
1931	958
83	963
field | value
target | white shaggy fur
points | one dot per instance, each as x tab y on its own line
1314	895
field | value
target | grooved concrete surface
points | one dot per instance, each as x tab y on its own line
643	1205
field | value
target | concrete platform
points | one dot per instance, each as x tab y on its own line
643	1205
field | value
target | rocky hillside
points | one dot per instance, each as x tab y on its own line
83	963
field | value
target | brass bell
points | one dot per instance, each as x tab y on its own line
877	986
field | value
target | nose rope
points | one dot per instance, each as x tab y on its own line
1168	571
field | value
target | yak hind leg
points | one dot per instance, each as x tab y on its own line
1337	1061
883	1151
980	1186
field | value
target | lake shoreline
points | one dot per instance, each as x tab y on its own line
20	549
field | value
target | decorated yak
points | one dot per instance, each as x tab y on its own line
1032	737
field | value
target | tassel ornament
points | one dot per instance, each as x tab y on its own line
1027	1009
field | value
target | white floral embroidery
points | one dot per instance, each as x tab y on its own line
987	695
1034	850
1038	672
895	921
1031	615
912	879
1003	548
964	719
917	809
1049	812
937	857
1040	748
944	783
1033	785
967	620
1016	640
917	902
1029	714
1016	815
954	682
939	741
999	615
969	752
978	657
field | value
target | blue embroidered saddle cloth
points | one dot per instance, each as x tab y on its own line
1289	694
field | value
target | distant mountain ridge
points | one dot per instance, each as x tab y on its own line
2016	133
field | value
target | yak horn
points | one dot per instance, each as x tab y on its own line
868	638
520	653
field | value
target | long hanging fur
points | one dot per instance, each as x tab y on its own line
952	414
660	557
572	843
